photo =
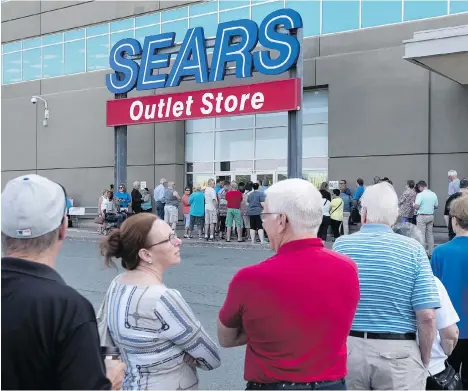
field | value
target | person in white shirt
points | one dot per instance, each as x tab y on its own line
323	230
159	196
446	319
211	209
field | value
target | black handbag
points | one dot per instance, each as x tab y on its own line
355	216
448	379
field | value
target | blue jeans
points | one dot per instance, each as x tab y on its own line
160	209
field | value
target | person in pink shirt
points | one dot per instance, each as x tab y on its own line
186	210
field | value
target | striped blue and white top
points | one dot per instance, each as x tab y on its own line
395	279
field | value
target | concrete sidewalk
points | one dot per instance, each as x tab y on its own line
87	230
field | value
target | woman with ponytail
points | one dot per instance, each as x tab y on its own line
159	337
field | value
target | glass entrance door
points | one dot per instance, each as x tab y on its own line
269	177
242	178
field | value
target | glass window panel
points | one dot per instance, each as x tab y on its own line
97	30
315	106
236	166
310	12
143	32
316	177
208	22
315	140
174	14
340	16
200	125
458	6
11	68
147	20
74	57
52	39
260	11
52	61
116	37
125	24
203	8
199	147
202	179
229	4
236	122
271	143
315	163
74	34
97	56
32	64
271	164
241	13
377	13
271	120
12	47
179	27
31	43
233	145
417	9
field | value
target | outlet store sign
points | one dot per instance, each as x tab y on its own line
234	43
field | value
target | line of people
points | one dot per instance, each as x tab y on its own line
367	315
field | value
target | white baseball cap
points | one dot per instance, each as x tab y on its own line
32	206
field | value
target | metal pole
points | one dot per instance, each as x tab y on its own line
120	151
295	119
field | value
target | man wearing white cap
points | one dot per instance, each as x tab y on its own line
49	333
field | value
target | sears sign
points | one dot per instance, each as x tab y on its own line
192	60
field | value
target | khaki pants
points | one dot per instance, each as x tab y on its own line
425	223
377	364
346	223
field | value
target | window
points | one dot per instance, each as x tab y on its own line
417	9
315	106
377	13
241	13
236	122
177	13
52	61
339	16
11	68
310	12
271	143
126	24
74	61
52	39
143	32
260	11
315	140
199	147
271	120
179	28
233	145
203	8
74	34
208	22
97	56
147	20
97	30
229	4
31	43
458	6
32	64
12	47
116	37
200	125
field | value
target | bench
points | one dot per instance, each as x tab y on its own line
82	212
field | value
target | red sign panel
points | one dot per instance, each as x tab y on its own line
267	97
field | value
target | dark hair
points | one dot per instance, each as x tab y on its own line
344	180
146	189
255	186
336	192
218	181
126	242
241	186
422	184
249	186
111	195
227	183
325	194
360	182
410	184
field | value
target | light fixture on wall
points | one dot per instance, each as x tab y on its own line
34	99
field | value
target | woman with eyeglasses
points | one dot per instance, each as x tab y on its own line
160	339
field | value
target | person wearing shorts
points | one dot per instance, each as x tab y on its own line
171	206
197	211
234	199
186	210
255	201
211	209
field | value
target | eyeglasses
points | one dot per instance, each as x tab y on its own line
173	239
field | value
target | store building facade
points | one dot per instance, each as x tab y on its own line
380	97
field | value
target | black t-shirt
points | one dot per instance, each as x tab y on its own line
49	332
449	201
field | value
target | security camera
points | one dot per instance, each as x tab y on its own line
33	100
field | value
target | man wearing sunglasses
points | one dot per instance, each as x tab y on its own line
49	333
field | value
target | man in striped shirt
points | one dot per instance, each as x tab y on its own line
398	298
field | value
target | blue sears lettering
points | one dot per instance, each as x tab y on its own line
191	59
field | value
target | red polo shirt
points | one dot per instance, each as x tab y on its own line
296	310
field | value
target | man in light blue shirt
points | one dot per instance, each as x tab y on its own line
454	184
398	297
425	205
159	196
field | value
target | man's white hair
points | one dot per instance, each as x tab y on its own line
163	180
381	203
452	173
136	184
300	201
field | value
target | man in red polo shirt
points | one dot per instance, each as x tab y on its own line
293	311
